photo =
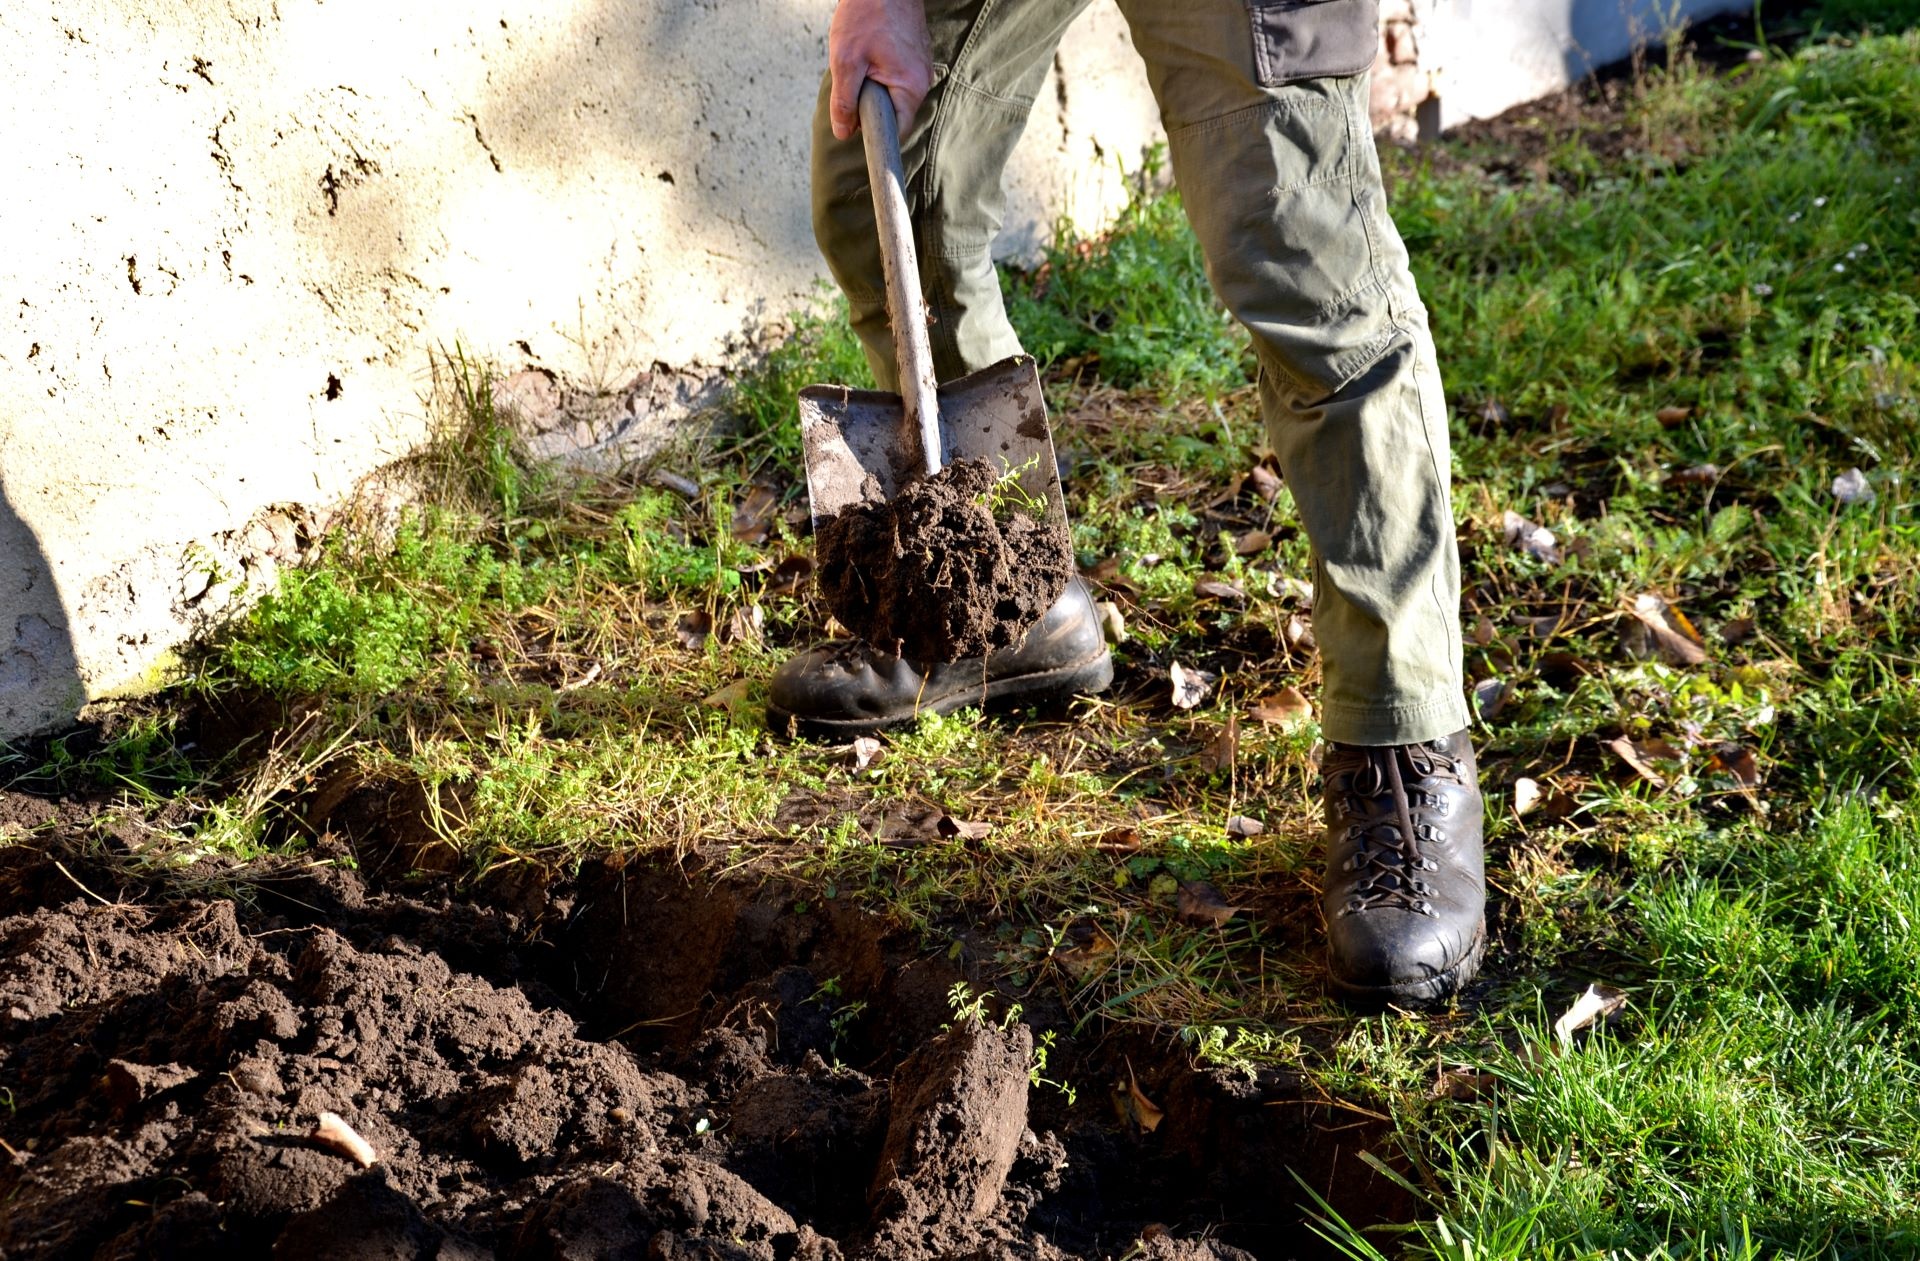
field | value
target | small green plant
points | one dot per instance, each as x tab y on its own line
1037	1071
1007	495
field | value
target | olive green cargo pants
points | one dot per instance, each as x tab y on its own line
1265	106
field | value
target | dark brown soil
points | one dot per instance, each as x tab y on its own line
639	1062
934	575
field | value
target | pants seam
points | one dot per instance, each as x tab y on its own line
1220	122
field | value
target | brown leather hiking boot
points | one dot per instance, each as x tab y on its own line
844	689
1405	892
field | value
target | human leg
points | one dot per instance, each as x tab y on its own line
1265	108
991	56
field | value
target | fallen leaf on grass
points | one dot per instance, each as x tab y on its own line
963	829
731	697
1670	417
1298	632
1738	631
1596	1002
1490	696
334	1134
1641	756
865	749
1696	475
1666	632
1298	590
1119	841
1190	687
747	625
1495	414
1214	589
1224	749
1526	795
693	628
1483	632
1534	539
1461	1083
1113	624
1133	1105
1252	543
1265	482
1201	903
1085	947
1285	708
755	513
1852	487
1242	826
790	577
1738	761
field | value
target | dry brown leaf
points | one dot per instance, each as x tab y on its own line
1252	543
1462	1083
334	1134
1119	841
1202	903
1738	761
1298	632
1696	475
1133	1105
1224	749
1214	589
1672	635
1639	757
865	750
1265	482
1285	708
1490	696
1483	632
1596	1002
693	628
963	829
754	515
1738	631
1242	826
747	625
1530	537
1085	947
1296	589
790	577
1526	795
1190	687
1669	417
1113	624
731	697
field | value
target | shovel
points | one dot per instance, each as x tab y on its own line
862	446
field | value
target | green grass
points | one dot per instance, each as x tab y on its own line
578	666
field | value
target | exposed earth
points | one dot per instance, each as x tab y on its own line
936	574
644	1061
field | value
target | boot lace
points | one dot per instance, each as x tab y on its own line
1379	809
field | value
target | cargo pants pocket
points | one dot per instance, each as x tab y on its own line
1311	39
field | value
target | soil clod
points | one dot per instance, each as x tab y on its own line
946	570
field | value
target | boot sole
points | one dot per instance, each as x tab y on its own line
1095	674
1426	993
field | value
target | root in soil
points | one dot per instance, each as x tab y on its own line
935	574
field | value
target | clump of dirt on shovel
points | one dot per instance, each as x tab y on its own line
947	569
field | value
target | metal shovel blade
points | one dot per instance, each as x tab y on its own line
861	448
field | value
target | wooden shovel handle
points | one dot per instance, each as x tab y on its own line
906	310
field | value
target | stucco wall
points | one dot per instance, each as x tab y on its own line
238	228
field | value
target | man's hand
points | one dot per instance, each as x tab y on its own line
882	40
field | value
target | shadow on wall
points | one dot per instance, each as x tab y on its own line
40	683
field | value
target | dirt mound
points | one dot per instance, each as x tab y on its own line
167	1057
936	574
